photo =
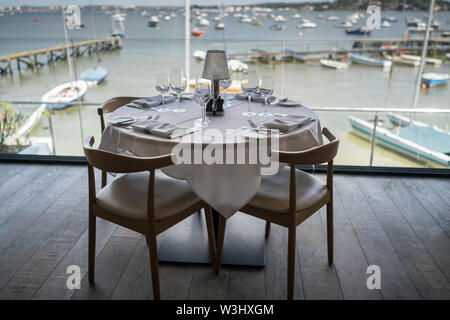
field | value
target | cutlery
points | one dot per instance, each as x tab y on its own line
185	132
263	130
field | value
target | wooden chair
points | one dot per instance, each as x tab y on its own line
107	107
144	200
306	195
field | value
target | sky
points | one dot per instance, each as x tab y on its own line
135	2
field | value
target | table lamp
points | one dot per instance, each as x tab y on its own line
215	69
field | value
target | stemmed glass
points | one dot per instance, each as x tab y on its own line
178	83
162	85
249	85
266	90
225	84
202	94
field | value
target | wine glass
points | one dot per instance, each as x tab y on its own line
225	84
202	93
249	85
266	90
162	85
178	83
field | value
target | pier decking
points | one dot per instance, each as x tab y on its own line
31	58
400	224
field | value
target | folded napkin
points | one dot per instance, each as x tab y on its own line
151	127
288	123
256	98
153	101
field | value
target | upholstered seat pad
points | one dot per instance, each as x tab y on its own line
127	196
273	193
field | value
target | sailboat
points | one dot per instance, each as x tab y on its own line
118	28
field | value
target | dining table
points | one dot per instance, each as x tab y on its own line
225	186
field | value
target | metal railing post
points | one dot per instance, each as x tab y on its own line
374	136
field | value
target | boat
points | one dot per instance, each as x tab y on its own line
153	21
417	58
245	19
306	24
167	17
297	16
278	26
431	80
37	20
333	64
257	22
65	93
203	22
219	26
385	24
389	19
358	31
403	62
279	18
94	75
402	121
199	55
118	28
237	65
422	142
333	18
198	33
344	24
369	61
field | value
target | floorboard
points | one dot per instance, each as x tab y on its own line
398	223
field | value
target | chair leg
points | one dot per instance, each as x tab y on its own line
211	235
220	240
91	246
330	232
153	251
267	229
291	262
104	179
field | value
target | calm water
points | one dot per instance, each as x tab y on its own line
147	51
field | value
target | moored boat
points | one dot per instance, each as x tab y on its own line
306	24
65	93
198	33
417	58
431	80
403	62
333	64
359	31
369	61
423	142
94	75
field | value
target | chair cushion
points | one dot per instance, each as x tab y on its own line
273	193
127	196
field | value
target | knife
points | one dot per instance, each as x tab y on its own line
185	132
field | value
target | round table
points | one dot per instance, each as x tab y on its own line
225	187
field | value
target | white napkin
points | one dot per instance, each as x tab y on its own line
146	126
288	123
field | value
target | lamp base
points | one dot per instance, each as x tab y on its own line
215	107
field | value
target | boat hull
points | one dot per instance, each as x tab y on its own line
391	140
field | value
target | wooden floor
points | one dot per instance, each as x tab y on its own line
400	224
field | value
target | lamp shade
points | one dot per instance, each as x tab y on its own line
216	65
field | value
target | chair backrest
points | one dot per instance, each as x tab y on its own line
110	105
315	155
118	163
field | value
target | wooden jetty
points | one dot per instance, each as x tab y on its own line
30	59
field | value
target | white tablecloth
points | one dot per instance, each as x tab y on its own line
225	187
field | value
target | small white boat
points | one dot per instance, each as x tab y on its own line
237	65
385	24
333	18
297	16
417	58
403	62
306	24
219	26
199	55
65	93
279	18
203	22
245	19
333	64
344	24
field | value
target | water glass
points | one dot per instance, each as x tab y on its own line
225	84
202	95
178	83
162	85
249	85
266	90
